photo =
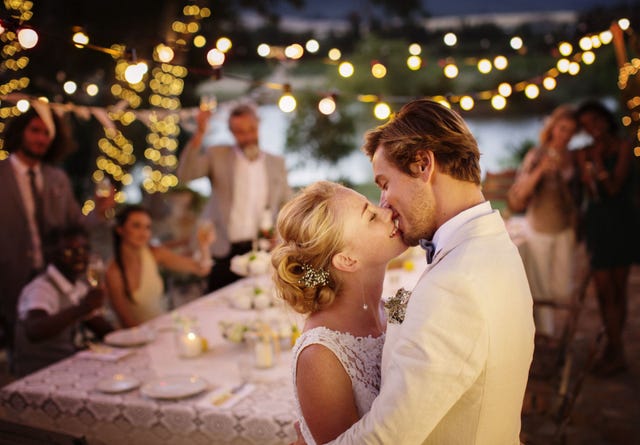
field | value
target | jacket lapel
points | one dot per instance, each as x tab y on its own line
10	185
482	225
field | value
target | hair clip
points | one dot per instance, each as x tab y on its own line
313	277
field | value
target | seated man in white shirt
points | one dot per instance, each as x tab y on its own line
52	307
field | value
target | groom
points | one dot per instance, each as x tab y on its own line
455	370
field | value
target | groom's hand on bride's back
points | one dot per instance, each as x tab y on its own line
299	440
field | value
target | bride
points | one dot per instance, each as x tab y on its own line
330	264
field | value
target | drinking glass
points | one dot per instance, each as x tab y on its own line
95	270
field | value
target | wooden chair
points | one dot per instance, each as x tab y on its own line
14	433
557	372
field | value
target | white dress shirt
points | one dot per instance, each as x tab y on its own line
43	292
250	197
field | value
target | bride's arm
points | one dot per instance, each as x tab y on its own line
325	393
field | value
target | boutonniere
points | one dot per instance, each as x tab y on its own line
396	306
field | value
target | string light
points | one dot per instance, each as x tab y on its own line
382	110
346	69
327	105
450	39
312	46
287	103
414	63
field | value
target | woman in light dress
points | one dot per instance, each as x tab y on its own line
330	265
136	289
546	188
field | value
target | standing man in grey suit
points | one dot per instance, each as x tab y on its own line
246	184
35	197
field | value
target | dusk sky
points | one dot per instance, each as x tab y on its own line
338	8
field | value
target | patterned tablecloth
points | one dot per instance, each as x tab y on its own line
64	398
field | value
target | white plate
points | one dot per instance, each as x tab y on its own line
174	387
117	383
129	337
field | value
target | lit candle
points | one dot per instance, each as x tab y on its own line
189	344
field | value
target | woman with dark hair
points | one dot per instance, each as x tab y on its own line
605	167
136	290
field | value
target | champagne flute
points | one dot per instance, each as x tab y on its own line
95	270
208	103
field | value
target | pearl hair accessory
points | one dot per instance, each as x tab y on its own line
313	277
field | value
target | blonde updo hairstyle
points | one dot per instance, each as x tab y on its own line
311	233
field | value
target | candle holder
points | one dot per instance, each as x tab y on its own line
189	342
263	347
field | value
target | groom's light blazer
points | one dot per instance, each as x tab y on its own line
455	371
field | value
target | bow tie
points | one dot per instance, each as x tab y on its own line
429	248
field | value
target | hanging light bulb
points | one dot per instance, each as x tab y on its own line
80	39
164	53
287	103
382	110
135	72
327	105
27	38
215	57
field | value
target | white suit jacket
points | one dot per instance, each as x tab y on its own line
457	370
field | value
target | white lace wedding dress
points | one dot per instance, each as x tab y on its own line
360	357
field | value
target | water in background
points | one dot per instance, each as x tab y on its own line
497	138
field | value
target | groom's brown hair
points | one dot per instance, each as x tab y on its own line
427	125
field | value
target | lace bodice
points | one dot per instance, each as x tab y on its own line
360	357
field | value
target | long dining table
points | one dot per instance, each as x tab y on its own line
70	396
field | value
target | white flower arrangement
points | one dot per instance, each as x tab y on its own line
253	263
253	296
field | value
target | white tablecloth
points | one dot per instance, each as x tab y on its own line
63	397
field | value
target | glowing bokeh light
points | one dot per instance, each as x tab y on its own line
346	69
450	39
451	71
327	105
382	110
69	87
498	102
516	43
312	46
532	91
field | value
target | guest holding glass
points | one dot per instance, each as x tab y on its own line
57	304
248	186
136	288
546	188
605	170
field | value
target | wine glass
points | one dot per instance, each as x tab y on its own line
95	270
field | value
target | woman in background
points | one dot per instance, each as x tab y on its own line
136	289
605	167
546	189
